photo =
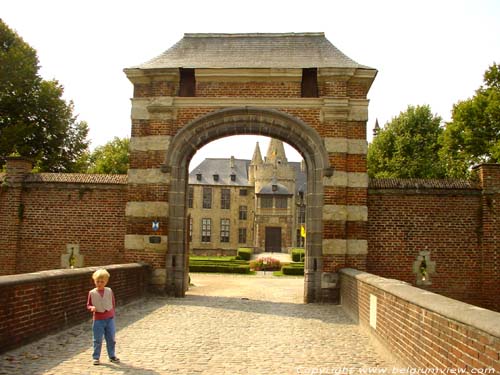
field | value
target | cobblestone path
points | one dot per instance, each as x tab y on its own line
226	325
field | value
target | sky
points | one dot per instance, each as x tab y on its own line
432	52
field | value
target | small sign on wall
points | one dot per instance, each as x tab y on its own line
373	311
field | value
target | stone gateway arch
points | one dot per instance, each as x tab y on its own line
297	88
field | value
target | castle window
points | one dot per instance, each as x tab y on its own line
243	212
243	192
190	228
206	230
233	177
225	199
266	202
242	235
207	197
281	202
198	176
275	187
190	197
187	84
216	177
309	84
224	230
301	217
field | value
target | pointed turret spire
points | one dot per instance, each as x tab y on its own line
257	156
276	151
376	128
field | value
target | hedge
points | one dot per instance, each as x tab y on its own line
244	253
298	255
219	268
293	270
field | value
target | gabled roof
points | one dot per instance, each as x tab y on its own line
257	50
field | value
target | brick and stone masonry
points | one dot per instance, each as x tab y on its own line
350	221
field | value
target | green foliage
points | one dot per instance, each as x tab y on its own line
298	255
408	146
112	158
293	269
245	253
219	265
34	119
473	135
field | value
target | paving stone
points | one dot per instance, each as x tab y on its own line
212	331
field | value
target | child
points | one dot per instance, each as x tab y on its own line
101	302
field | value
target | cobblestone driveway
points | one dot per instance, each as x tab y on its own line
226	325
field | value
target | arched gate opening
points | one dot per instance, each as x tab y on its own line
244	121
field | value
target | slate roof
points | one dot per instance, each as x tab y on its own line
210	166
222	167
78	178
258	50
280	189
421	183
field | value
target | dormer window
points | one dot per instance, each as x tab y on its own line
233	177
275	187
216	177
198	176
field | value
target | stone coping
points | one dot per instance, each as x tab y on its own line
474	316
35	277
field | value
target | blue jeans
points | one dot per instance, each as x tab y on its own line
107	329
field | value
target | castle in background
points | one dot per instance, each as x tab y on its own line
256	203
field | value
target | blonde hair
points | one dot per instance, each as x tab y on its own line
100	274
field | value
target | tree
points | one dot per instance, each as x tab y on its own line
112	158
473	135
34	119
407	146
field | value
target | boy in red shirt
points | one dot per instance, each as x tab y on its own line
101	302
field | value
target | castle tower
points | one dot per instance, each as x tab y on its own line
274	181
276	152
256	161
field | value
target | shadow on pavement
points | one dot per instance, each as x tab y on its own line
327	313
51	351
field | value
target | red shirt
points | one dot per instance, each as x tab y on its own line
101	315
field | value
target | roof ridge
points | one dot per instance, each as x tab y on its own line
256	35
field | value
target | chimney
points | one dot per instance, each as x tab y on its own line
231	162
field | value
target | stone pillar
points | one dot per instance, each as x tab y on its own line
489	176
345	208
12	210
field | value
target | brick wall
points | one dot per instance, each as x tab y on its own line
36	304
489	177
421	329
403	222
89	215
46	212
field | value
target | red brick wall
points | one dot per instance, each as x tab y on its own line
249	89
92	216
43	302
56	214
489	175
423	331
401	223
